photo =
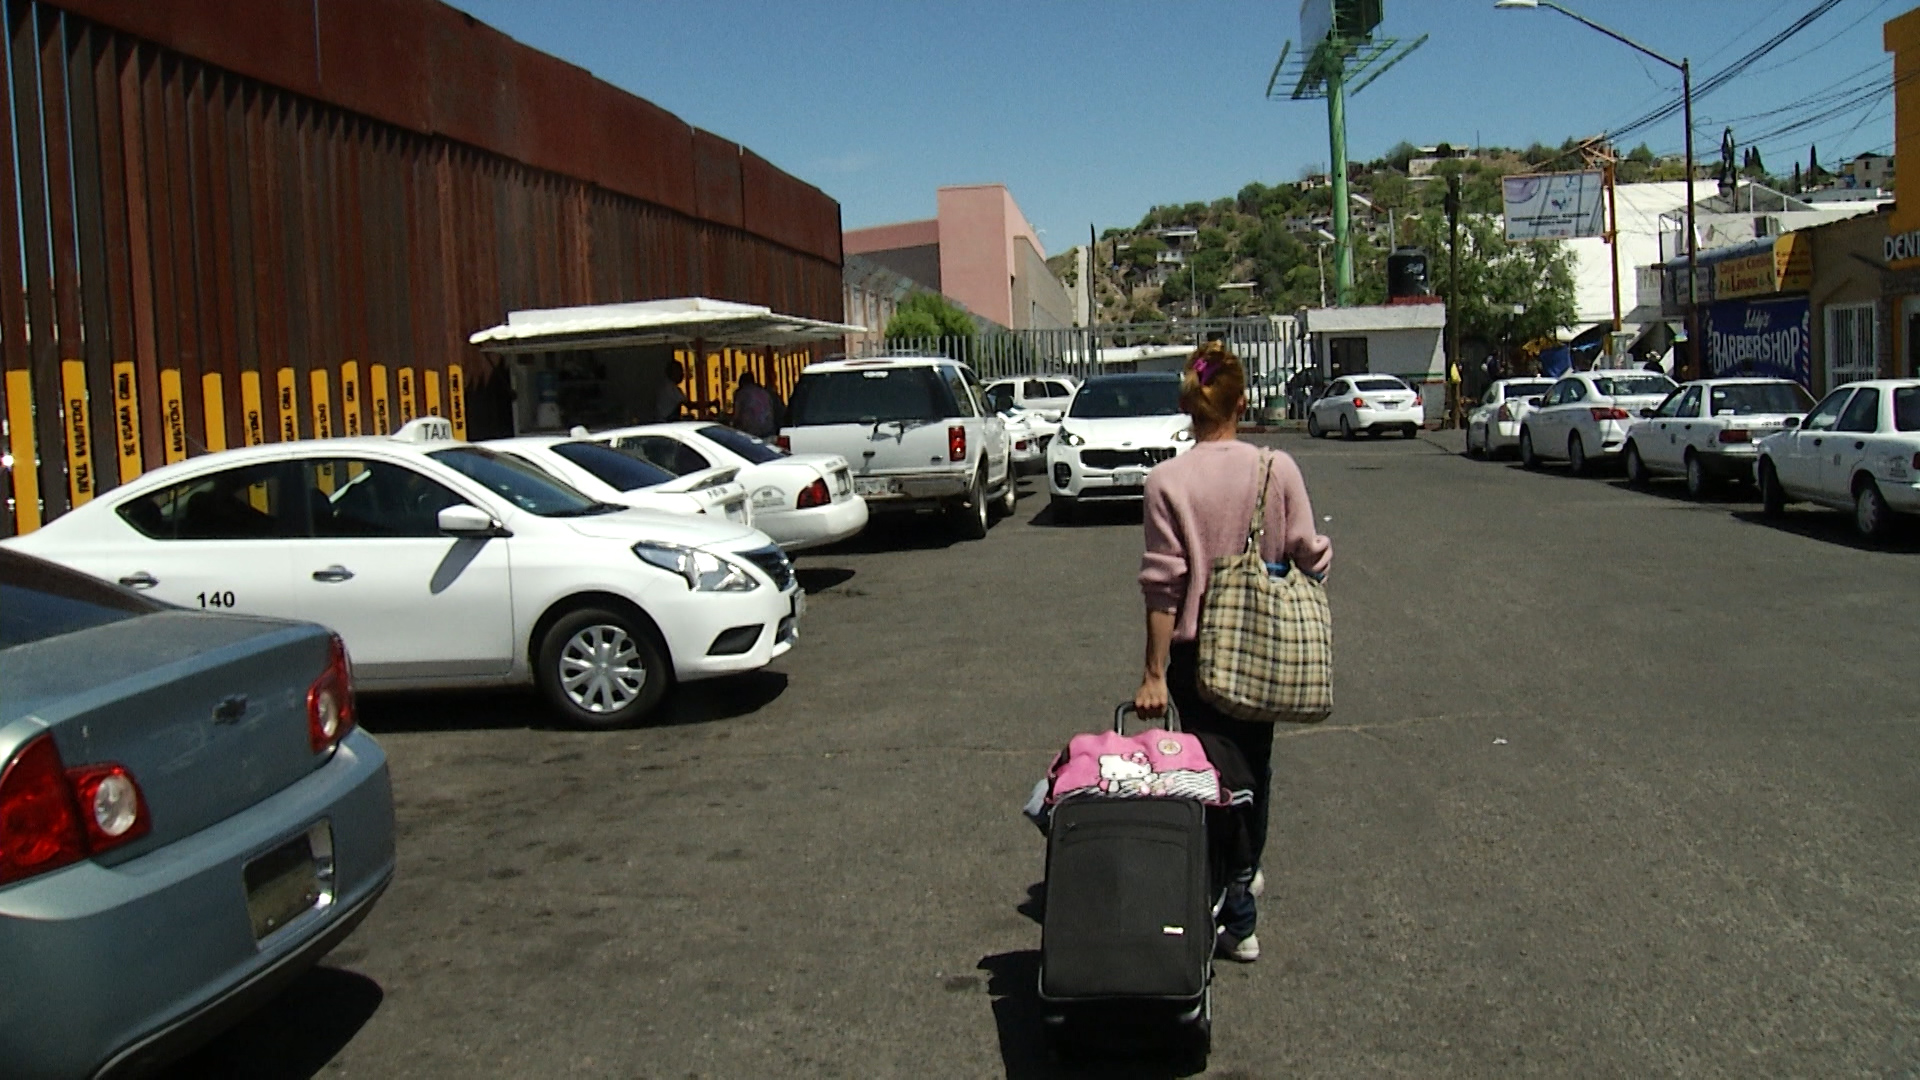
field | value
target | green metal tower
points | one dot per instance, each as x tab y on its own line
1339	56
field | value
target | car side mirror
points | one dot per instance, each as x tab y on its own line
1791	423
469	522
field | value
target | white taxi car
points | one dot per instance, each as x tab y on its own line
611	476
1584	417
1115	431
1370	403
1859	450
1493	427
1706	430
443	564
801	500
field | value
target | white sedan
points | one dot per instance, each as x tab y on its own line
614	476
443	564
1584	417
1707	429
1493	427
801	500
1115	431
1859	450
1370	403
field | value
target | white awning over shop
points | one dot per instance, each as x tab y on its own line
654	322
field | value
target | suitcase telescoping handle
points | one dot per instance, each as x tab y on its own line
1126	709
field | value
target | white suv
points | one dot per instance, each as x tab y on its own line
916	431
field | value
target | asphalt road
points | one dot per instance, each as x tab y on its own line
1618	785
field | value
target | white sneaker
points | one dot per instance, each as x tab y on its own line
1259	886
1246	950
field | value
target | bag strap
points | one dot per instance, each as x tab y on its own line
1258	526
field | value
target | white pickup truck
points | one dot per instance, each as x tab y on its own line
916	431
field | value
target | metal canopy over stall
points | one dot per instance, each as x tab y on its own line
607	364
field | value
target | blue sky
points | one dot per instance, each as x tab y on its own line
1091	111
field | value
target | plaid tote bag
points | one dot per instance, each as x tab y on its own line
1266	642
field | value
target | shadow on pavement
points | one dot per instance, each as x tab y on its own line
1013	981
291	1037
896	531
1836	527
494	710
1722	494
1093	515
818	579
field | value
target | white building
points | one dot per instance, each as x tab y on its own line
1389	339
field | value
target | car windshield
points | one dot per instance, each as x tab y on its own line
1527	389
1103	399
39	600
1380	384
871	395
519	483
1633	385
1906	408
1747	399
617	469
999	397
754	450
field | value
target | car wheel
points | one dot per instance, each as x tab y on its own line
1773	497
602	669
1410	431
1009	500
1528	459
970	514
1697	481
1637	474
1313	427
1472	450
1064	508
1576	455
1346	429
1871	518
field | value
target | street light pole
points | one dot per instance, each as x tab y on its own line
1685	67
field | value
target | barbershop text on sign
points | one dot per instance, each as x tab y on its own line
1770	338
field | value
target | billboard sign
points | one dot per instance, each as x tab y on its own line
1772	338
1316	22
1554	206
1349	20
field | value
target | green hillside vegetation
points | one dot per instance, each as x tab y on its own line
1264	235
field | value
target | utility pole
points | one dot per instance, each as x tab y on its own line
1337	138
1453	279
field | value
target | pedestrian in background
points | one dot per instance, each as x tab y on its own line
668	400
1196	510
755	410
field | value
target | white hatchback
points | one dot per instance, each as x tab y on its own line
1859	450
1370	403
444	564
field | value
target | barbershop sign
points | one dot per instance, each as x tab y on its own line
1761	337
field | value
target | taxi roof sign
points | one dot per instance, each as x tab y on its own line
426	429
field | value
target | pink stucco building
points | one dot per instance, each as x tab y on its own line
980	250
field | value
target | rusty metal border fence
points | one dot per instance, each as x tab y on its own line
194	257
1273	350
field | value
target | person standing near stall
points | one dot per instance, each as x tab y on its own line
1197	507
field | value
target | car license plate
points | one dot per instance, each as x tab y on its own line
284	883
799	603
1130	477
864	486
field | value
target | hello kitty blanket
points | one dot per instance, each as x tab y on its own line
1166	764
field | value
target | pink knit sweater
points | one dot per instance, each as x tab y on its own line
1197	509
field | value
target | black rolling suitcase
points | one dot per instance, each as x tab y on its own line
1127	940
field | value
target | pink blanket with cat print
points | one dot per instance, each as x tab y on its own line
1168	764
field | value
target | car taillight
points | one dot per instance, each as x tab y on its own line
51	816
1359	403
1916	463
1606	413
330	712
814	494
784	443
1736	435
1021	445
957	443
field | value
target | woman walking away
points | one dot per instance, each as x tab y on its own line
1197	509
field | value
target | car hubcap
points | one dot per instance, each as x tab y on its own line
1695	480
1867	511
600	669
